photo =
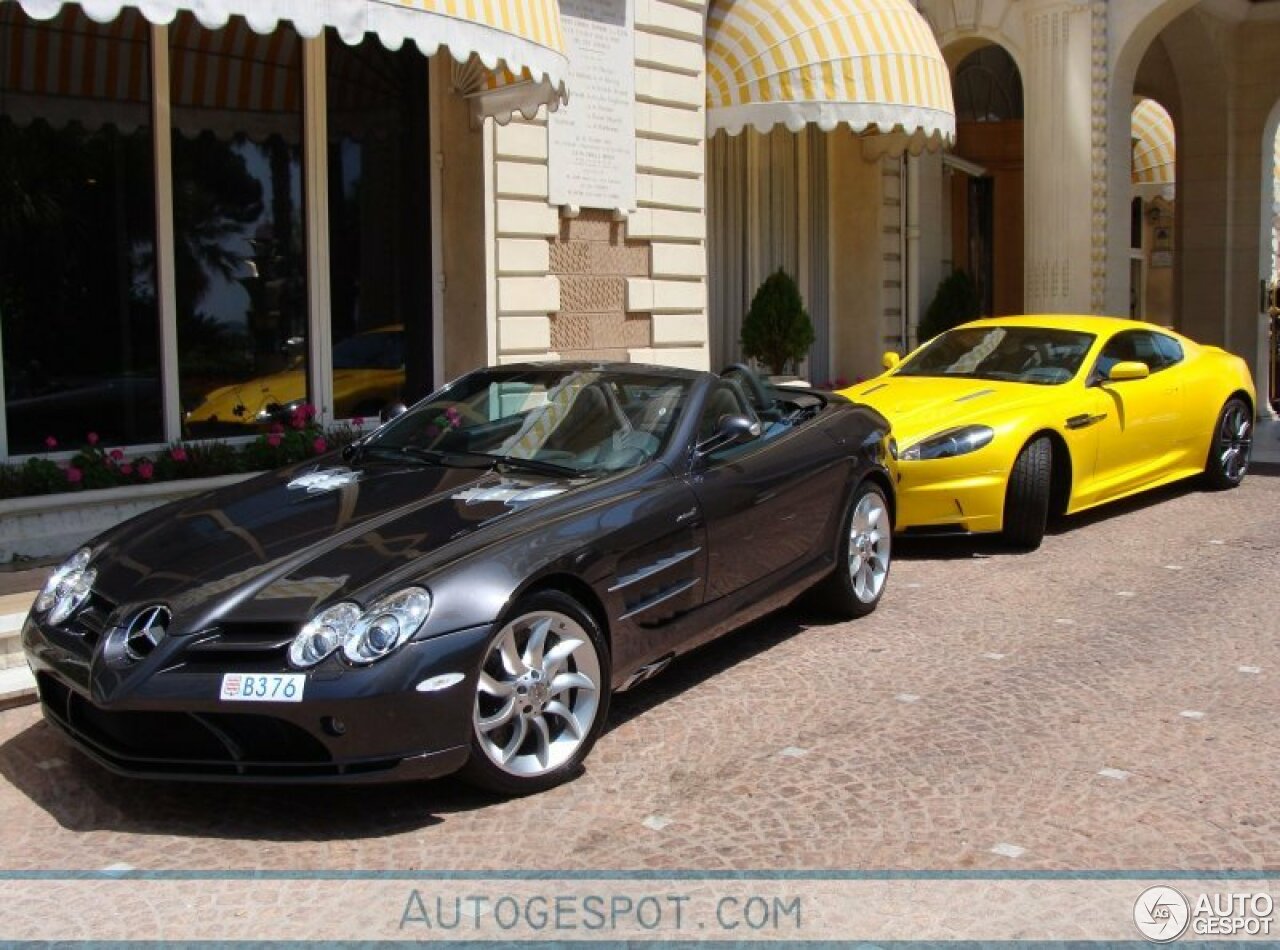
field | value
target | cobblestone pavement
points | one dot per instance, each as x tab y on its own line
1106	702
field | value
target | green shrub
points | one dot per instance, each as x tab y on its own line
777	329
956	301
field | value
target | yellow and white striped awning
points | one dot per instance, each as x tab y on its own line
507	38
1155	157
873	65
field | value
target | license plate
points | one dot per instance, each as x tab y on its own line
263	687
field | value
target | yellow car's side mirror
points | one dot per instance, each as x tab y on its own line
890	359
1128	369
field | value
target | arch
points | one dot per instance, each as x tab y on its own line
959	32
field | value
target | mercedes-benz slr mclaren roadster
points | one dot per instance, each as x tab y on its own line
463	588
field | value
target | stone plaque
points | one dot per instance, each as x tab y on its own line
592	140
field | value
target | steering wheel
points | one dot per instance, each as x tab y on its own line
755	388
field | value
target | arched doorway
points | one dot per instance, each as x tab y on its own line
1152	212
986	185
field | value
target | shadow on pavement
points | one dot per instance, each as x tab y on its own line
82	796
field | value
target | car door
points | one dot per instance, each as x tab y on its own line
1139	420
760	511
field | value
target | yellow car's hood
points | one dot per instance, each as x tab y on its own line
919	406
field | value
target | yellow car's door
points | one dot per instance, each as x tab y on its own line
1138	421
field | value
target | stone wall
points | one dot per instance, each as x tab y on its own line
593	258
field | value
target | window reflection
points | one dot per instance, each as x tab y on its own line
78	312
239	230
379	225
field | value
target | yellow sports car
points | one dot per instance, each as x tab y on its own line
368	373
1001	422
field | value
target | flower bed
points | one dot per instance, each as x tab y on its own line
96	467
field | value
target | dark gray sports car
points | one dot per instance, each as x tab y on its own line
465	587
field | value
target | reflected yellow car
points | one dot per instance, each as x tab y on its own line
368	373
1002	422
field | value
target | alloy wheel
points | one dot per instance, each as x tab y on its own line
538	693
1235	441
869	543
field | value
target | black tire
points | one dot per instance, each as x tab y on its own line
842	592
1231	445
481	770
1026	500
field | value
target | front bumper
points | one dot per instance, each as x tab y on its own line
950	495
164	719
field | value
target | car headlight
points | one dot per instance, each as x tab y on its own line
362	635
949	444
68	587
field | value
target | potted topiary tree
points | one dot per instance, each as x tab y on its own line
956	301
777	329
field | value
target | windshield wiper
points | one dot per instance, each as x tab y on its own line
465	458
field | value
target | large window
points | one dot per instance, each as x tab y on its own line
78	311
238	224
379	209
164	259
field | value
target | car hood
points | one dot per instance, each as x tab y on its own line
919	406
275	547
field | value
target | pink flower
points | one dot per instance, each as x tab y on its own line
276	427
358	422
178	454
74	475
116	455
146	469
126	469
92	438
298	420
273	439
50	442
320	446
308	411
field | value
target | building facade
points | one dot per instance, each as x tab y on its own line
207	223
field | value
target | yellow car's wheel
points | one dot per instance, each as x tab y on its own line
1232	445
1026	500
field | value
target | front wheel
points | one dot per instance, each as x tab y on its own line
1232	445
1026	500
541	697
862	567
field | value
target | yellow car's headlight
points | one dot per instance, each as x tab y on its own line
948	444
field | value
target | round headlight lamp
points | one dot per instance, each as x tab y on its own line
387	624
68	587
324	634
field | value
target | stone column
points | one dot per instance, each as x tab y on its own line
1059	158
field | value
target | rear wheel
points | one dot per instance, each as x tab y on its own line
1026	500
866	541
541	697
1232	445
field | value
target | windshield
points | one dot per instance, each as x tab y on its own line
579	421
1013	354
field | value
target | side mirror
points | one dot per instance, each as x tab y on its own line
391	410
730	430
1128	369
890	359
